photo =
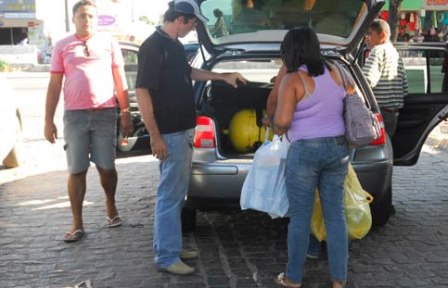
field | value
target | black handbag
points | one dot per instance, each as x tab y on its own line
361	125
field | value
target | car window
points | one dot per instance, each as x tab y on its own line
129	56
255	71
337	17
423	69
130	66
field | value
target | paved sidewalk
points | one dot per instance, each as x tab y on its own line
237	250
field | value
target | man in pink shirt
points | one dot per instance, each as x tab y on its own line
92	64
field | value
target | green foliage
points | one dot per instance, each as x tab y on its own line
4	65
146	20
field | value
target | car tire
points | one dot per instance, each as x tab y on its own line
188	219
382	210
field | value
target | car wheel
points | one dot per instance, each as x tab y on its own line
188	219
381	210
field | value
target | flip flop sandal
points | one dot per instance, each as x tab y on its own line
73	236
114	222
280	280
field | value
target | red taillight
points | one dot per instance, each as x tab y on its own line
382	139
204	136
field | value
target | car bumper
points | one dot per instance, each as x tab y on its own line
222	182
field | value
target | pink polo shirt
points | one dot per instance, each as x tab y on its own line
89	82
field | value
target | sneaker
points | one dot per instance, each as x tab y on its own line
188	254
178	268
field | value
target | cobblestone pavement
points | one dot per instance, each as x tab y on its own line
241	249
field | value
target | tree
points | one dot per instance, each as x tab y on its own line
146	20
394	11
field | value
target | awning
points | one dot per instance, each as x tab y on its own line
435	5
408	5
18	22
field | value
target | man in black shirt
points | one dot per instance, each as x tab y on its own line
165	96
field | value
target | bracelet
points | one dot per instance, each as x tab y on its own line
125	110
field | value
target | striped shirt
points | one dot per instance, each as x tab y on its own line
385	73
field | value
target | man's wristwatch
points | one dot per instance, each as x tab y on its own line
125	110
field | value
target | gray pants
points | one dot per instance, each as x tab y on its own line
390	118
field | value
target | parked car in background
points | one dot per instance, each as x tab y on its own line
138	143
190	50
10	127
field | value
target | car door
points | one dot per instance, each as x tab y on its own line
139	142
426	104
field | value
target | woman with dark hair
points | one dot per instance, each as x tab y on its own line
220	28
310	110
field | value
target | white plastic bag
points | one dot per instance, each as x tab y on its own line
264	188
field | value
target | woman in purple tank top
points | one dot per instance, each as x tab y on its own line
310	111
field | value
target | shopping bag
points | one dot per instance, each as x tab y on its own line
264	188
357	209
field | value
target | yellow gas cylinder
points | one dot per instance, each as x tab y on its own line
244	133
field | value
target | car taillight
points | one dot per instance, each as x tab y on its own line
382	139
204	136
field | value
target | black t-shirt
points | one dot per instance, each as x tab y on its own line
163	69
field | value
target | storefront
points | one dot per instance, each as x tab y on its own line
421	20
18	23
436	20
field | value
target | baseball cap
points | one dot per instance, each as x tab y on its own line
189	7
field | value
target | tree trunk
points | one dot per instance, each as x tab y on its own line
394	11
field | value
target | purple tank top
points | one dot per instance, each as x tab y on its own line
319	114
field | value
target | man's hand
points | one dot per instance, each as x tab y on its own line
127	128
233	79
158	147
50	132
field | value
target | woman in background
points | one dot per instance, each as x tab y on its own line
220	28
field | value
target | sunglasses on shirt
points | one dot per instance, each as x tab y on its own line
86	49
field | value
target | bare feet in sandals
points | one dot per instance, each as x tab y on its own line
283	281
73	236
337	284
113	222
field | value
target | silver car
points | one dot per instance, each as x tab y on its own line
224	147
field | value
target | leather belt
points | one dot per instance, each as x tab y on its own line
390	110
99	109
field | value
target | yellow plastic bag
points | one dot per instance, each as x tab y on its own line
357	209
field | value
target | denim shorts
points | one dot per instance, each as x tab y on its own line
90	135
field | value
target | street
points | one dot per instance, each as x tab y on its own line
238	249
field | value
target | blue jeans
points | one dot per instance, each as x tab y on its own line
171	192
317	163
314	246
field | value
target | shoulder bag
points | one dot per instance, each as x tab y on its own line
361	125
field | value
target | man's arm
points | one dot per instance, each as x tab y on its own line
230	78
51	103
144	100
123	100
372	68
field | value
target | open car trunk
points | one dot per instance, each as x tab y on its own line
238	116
